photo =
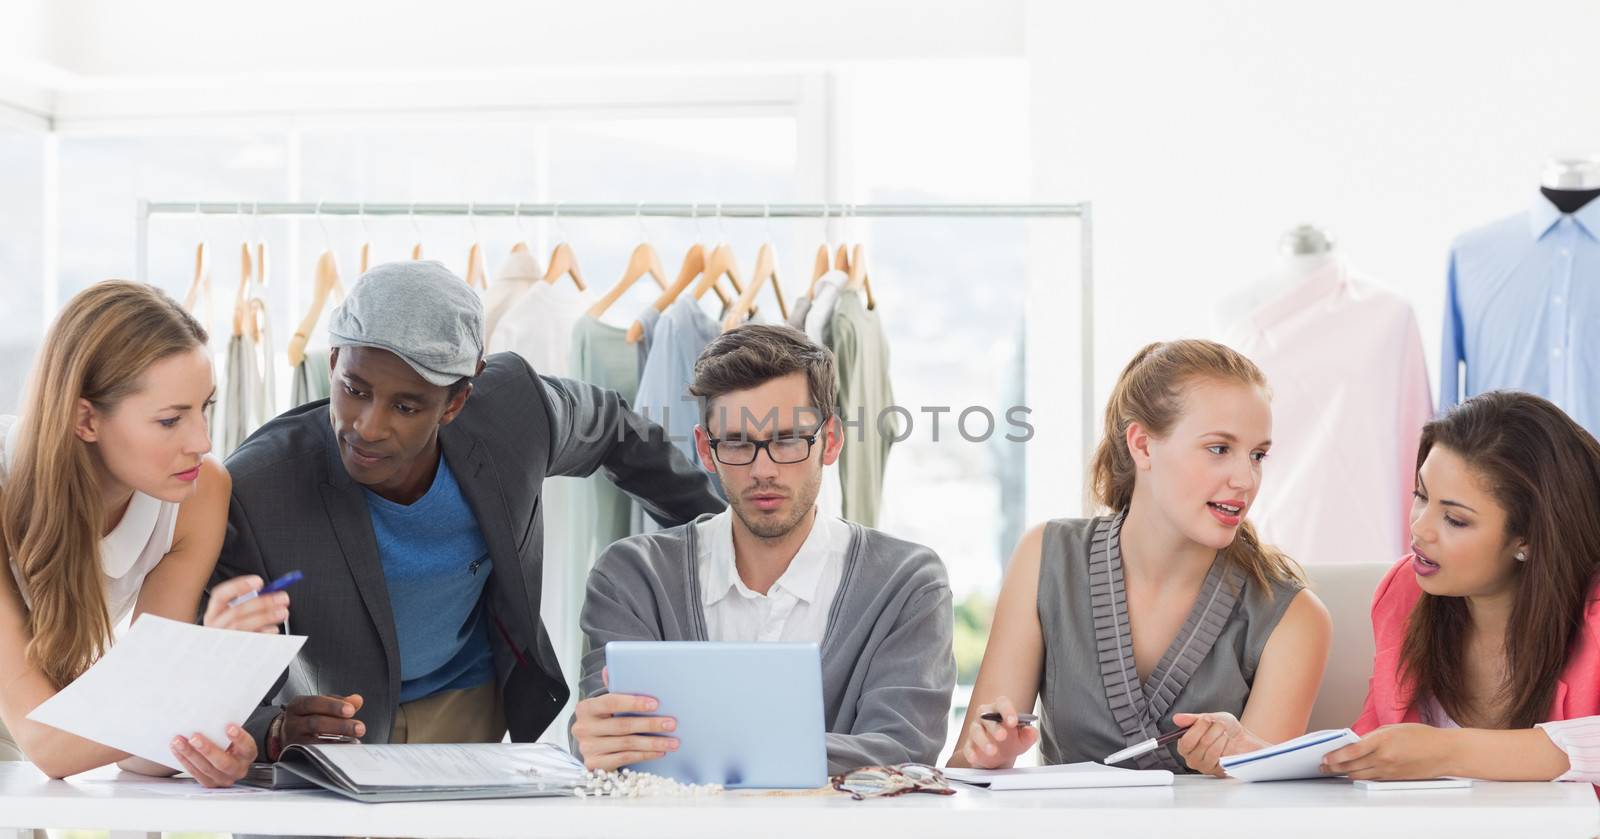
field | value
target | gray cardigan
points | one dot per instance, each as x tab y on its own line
887	665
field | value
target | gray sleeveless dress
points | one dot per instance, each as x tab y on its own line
1091	698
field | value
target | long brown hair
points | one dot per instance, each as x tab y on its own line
1150	391
1544	469
51	513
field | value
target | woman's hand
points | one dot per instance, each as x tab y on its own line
260	614
1211	737
997	745
212	765
1407	752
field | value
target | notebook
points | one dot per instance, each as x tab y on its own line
1064	776
1290	760
435	772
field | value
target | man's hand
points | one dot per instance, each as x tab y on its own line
307	716
608	741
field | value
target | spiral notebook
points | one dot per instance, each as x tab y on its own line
1290	760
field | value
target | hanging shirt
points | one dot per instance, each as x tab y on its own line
435	564
794	609
682	332
676	341
539	326
601	513
516	274
1349	397
1521	296
865	395
797	312
310	379
819	316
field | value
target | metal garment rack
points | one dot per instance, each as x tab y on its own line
1079	211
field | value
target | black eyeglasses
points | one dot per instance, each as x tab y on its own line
781	450
890	781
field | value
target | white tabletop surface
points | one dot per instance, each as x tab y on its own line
1194	807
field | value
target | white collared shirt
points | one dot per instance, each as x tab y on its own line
795	608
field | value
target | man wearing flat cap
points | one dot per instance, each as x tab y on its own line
410	501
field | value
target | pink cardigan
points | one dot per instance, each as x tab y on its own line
1389	699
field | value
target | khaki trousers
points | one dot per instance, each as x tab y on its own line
474	715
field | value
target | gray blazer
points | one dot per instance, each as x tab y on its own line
295	507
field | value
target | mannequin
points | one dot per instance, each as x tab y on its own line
1303	251
1571	182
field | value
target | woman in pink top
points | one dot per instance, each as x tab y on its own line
1488	634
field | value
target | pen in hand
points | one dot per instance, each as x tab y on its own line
1022	719
276	585
1145	747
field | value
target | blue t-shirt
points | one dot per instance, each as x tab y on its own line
436	564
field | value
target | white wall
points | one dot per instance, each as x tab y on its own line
1202	131
113	38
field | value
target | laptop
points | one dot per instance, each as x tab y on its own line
749	715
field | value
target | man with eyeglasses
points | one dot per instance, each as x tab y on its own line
772	568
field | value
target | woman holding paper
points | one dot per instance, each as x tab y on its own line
109	506
1127	625
1488	635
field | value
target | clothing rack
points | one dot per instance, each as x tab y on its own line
1079	211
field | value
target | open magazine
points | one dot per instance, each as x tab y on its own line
435	772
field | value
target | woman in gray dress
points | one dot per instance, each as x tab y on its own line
1167	611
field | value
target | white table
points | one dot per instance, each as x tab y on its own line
1195	807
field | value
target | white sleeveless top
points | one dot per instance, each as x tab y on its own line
128	552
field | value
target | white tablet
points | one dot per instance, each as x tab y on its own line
749	715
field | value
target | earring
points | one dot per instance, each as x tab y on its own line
1522	556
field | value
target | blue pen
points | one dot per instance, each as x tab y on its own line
276	585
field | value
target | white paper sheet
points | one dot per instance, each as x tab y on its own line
1063	776
164	679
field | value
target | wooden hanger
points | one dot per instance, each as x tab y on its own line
201	284
822	263
257	308
766	269
643	261
721	263
563	261
694	262
819	267
246	268
325	280
859	281
476	277
527	266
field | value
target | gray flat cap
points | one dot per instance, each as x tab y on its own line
418	311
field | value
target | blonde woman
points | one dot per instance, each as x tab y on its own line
1168	611
109	507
